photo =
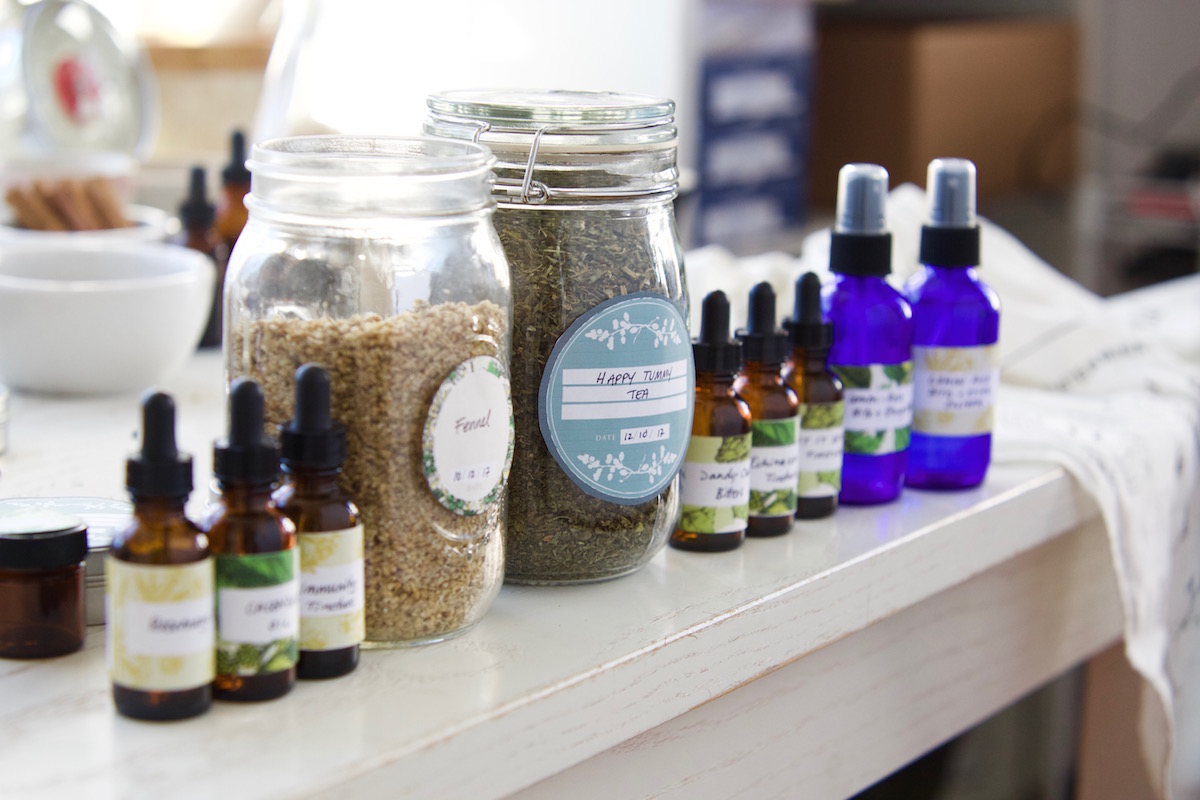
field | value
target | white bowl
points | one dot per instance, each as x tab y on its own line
149	225
99	316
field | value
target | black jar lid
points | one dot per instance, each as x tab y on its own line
32	538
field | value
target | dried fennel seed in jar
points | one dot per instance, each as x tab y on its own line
384	372
563	264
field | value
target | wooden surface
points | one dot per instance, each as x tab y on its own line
837	719
251	55
1111	765
858	641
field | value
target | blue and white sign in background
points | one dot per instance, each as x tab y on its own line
616	398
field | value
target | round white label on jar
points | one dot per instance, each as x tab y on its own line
467	446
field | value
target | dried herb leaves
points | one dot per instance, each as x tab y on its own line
564	262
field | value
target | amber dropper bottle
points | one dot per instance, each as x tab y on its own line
160	547
774	460
332	621
822	408
235	185
257	563
196	215
715	479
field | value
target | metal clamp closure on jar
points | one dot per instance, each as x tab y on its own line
632	125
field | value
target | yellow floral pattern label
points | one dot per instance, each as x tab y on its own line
954	390
160	631
332	595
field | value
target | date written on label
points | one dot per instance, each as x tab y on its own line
477	472
647	435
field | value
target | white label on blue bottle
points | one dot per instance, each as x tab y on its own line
879	407
955	390
616	398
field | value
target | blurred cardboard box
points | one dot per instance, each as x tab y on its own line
1000	92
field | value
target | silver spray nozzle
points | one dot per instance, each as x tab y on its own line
950	187
861	200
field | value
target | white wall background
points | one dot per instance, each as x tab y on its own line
367	65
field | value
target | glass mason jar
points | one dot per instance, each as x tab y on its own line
602	367
376	259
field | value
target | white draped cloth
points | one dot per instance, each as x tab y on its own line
1110	390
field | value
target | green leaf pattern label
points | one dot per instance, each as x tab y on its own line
159	625
879	407
774	467
954	390
467	442
258	612
715	484
821	441
332	590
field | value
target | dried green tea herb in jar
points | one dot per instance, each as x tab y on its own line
601	362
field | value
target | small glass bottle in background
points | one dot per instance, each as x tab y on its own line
196	215
235	185
332	598
821	435
872	340
715	479
774	461
956	320
159	591
257	561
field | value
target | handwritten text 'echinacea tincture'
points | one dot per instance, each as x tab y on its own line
956	320
774	461
820	437
714	482
872	340
159	584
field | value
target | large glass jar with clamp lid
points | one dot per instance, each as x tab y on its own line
602	373
376	258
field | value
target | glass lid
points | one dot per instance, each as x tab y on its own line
87	88
532	109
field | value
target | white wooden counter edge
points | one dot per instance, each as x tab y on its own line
550	678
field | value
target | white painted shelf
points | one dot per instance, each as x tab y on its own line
823	659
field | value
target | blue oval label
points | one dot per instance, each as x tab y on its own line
616	398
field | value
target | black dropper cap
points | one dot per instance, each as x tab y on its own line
714	351
762	342
158	469
311	440
807	327
235	171
196	211
246	455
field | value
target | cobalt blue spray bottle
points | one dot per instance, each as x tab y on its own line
872	340
957	322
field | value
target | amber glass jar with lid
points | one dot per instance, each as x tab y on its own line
602	367
376	259
42	556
